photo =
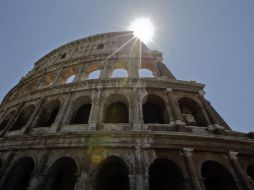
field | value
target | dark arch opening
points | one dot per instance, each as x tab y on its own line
20	174
82	115
250	171
164	175
216	177
154	110
48	114
117	113
4	124
61	175
113	175
23	118
192	113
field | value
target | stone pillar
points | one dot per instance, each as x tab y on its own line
28	125
174	107
238	169
132	182
42	77
133	68
191	169
207	106
58	75
95	110
80	71
137	115
38	180
139	168
81	181
61	113
104	72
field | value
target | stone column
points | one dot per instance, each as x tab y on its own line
58	120
81	181
80	71
139	168
132	182
133	68
95	110
174	107
104	72
42	77
28	125
136	110
58	75
238	169
191	169
38	180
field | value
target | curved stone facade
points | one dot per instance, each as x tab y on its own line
74	122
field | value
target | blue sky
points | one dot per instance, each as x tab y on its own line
210	41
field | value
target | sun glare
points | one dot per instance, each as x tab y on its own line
143	29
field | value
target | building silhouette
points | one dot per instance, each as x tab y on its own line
105	113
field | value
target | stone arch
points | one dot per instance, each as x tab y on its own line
250	172
145	73
116	109
61	174
165	174
216	176
112	174
48	113
151	67
19	176
192	112
68	75
7	119
23	117
154	109
81	111
48	79
90	69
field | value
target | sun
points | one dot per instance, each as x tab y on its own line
143	29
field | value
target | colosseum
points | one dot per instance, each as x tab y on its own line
74	123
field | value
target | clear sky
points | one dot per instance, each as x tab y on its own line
209	41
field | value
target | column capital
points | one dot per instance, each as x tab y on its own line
187	151
232	155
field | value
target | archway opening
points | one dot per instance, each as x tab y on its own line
250	172
82	114
119	73
117	113
61	175
164	175
20	174
4	124
113	175
70	79
23	118
145	73
154	110
48	113
192	113
216	177
94	75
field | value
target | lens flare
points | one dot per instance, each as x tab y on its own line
143	29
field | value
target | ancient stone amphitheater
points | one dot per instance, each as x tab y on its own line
105	113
